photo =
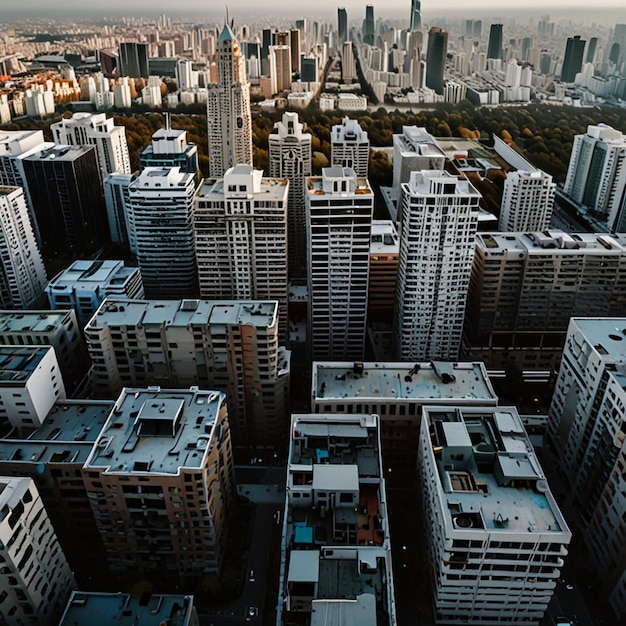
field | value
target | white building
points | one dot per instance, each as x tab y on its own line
84	285
496	540
588	445
35	579
160	208
22	273
240	230
348	64
414	150
351	102
350	147
116	196
527	201
340	206
30	383
228	108
122	95
596	176
335	564
290	158
85	129
439	216
186	77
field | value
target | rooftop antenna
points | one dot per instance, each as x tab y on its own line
167	121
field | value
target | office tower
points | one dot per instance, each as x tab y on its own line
342	29
381	292
109	62
586	435
170	148
279	60
84	285
22	273
591	50
416	64
290	158
266	41
336	565
369	25
35	578
228	345
84	129
281	38
494	48
309	65
348	65
350	147
339	207
527	201
415	22
573	59
228	109
116	200
439	220
133	60
527	44
294	44
160	209
152	608
494	533
436	58
525	287
414	150
65	189
186	78
596	175
614	54
137	480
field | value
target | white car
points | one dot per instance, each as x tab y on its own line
253	612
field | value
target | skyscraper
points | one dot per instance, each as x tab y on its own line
573	59
290	158
369	25
228	108
591	50
350	146
160	207
436	58
170	148
439	220
280	68
494	48
133	60
415	22
342	28
339	215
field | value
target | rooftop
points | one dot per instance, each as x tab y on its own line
384	237
54	152
31	321
270	189
158	431
17	364
551	240
606	334
401	381
418	140
100	272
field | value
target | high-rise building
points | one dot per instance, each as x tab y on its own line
494	48
160	208
369	25
227	345
228	108
527	201
495	535
336	551
294	44
436	58
414	149
116	201
279	60
240	231
573	59
339	215
85	129
133	60
342	25
350	146
35	578
596	175
169	148
22	273
348	64
381	291
587	446
415	22
65	189
439	221
155	444
186	77
591	50
290	158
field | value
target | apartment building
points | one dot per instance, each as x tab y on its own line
227	345
350	147
414	150
116	195
160	480
381	292
527	201
35	579
336	551
397	392
496	539
169	148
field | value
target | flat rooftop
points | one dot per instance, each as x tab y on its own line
31	321
607	335
123	609
418	140
59	153
552	241
92	272
489	476
17	364
401	381
272	189
182	313
158	431
384	238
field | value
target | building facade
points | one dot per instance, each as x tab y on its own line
414	149
384	249
527	201
350	147
436	53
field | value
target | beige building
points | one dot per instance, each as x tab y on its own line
227	345
161	482
384	249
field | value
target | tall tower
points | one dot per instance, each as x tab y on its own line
350	146
133	60
228	108
494	48
436	58
280	68
339	217
573	59
416	15
342	25
439	220
290	158
369	25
